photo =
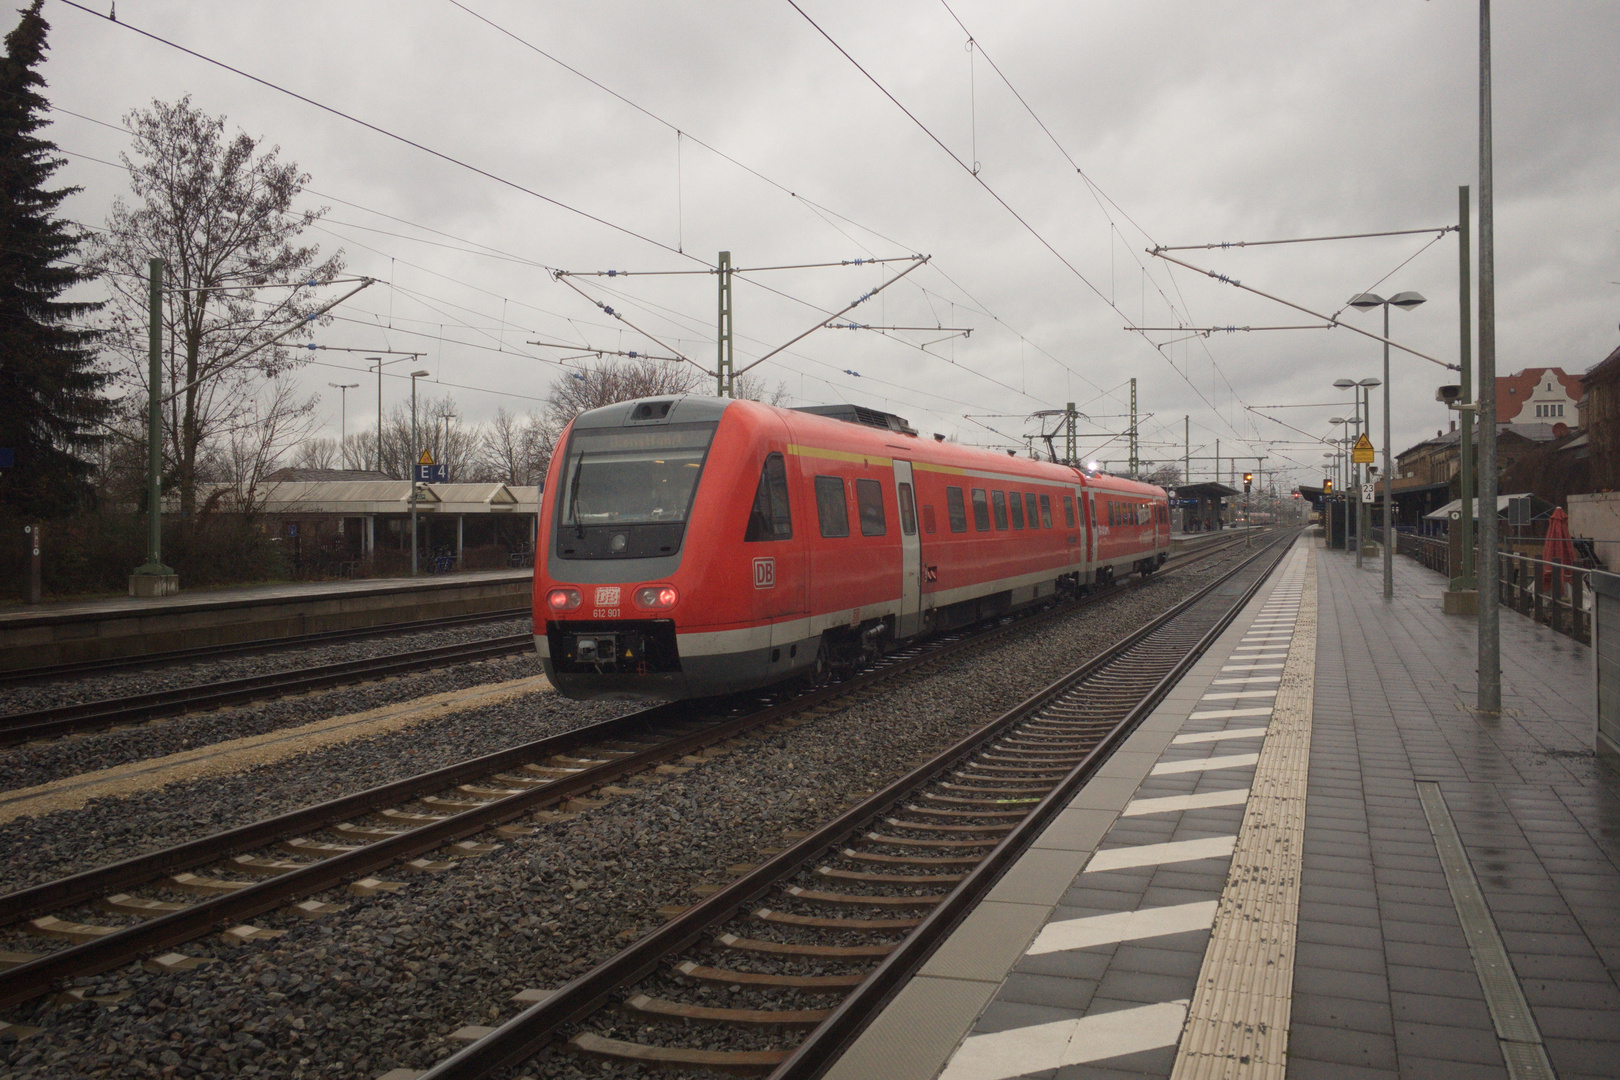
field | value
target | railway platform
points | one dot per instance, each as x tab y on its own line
105	627
1313	859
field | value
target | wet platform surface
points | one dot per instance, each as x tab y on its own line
1266	885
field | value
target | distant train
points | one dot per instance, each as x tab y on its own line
695	546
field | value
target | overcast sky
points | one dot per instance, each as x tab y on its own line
1195	122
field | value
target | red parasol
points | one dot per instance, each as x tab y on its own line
1558	548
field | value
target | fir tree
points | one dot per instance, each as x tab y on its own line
50	399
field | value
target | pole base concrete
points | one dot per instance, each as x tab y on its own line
1460	601
154	584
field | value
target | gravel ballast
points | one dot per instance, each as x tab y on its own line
382	984
28	697
38	763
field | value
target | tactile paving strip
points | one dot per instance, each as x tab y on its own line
1237	1025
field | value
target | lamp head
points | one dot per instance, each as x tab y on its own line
1366	301
1408	300
420	374
1370	382
1336	420
1344	384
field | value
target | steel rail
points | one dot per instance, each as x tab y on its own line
514	1042
109	712
36	977
822	1046
242	648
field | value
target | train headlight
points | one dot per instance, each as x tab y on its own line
656	597
563	599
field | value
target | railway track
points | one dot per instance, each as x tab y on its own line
246	871
139	708
51	672
869	894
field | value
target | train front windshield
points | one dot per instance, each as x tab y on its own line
627	493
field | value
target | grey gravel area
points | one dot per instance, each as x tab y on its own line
110	829
29	697
384	983
38	763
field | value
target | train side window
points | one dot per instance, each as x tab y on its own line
869	502
1068	511
1111	516
981	511
1015	503
831	507
955	509
998	509
1046	511
928	518
908	512
771	518
1032	514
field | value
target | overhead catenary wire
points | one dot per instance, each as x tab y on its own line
450	159
1224	244
1234	282
497	253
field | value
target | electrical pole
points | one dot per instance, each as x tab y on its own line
1135	446
726	363
1186	456
152	578
1071	449
1490	674
1464	579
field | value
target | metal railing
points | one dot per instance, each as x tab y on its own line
1554	594
1432	553
1548	592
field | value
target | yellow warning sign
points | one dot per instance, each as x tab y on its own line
1362	452
427	456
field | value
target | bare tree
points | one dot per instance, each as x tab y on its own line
219	214
609	381
316	454
515	449
360	450
1165	476
437	431
752	388
275	420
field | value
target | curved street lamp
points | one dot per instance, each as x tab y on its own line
1406	301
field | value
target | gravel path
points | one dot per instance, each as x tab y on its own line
31	764
382	985
72	690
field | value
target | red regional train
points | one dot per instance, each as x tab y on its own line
695	546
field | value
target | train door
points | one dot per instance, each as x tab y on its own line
910	618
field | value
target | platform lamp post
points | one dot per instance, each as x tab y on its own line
1406	301
1367	386
414	376
343	389
1346	481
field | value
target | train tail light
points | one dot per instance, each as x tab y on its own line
656	597
563	599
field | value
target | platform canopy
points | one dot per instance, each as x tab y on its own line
1206	490
1455	506
361	498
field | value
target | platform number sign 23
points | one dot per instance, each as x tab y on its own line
764	573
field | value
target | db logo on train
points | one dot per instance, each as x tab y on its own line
764	573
